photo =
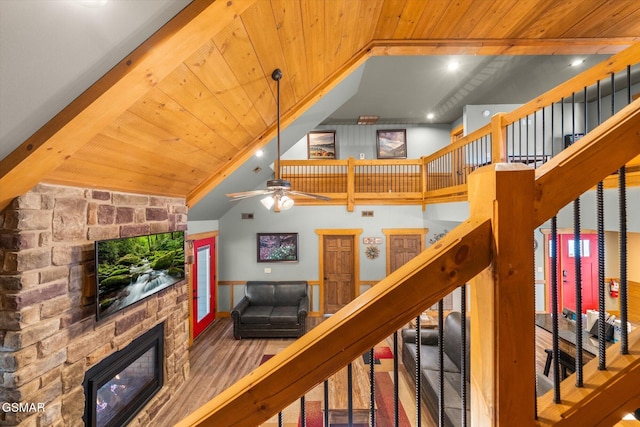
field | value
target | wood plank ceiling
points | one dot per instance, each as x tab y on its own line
192	103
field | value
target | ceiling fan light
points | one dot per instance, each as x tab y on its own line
286	203
267	202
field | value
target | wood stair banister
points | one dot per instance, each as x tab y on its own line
585	163
607	395
367	320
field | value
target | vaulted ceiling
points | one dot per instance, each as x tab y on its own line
191	104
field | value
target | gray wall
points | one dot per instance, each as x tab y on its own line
237	259
351	140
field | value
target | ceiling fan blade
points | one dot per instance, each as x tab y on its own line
247	194
312	196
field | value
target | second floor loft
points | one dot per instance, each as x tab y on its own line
532	134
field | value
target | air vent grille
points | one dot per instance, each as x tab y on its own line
367	213
247	216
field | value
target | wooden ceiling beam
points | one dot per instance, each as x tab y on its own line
110	96
500	46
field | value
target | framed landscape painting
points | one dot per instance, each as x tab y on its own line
321	144
392	143
277	247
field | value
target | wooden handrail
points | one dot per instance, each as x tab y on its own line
616	63
607	399
367	320
497	127
557	180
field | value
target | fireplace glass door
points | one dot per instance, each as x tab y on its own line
119	386
114	396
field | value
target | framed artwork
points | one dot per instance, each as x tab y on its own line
321	144
392	143
277	247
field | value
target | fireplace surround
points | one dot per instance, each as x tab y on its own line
118	387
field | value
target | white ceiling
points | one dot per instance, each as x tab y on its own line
405	89
52	50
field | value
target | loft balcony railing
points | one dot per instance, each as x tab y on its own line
492	252
353	182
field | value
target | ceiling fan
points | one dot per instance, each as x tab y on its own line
278	190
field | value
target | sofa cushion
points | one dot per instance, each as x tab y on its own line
429	358
284	315
289	293
260	293
257	314
452	387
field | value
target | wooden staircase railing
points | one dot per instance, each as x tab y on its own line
490	238
493	250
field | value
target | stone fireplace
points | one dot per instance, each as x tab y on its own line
49	335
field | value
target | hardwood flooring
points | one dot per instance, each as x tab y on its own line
217	360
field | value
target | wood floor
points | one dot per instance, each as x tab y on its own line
217	360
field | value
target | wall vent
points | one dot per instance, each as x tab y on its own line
247	216
367	213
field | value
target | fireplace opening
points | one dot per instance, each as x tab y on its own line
118	387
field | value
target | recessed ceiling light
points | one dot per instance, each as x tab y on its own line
576	62
430	116
93	3
259	153
453	65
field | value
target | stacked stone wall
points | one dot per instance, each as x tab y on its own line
49	335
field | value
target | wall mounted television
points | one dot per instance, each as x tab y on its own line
130	269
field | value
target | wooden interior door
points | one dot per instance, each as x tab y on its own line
403	247
338	274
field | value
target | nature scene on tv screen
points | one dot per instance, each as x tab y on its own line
133	268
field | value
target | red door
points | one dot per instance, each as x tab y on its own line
567	271
204	282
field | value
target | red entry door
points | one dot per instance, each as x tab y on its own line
567	271
204	282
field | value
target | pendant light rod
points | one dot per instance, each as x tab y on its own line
277	75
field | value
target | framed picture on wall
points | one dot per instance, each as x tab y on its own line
392	143
277	247
321	144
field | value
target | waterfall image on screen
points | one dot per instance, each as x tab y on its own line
133	268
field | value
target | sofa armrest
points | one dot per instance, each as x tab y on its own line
303	308
427	336
240	308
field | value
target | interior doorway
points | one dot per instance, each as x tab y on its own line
339	268
402	248
339	273
204	282
588	252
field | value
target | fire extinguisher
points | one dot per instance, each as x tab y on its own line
614	288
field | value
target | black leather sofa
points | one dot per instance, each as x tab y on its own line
272	309
429	367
